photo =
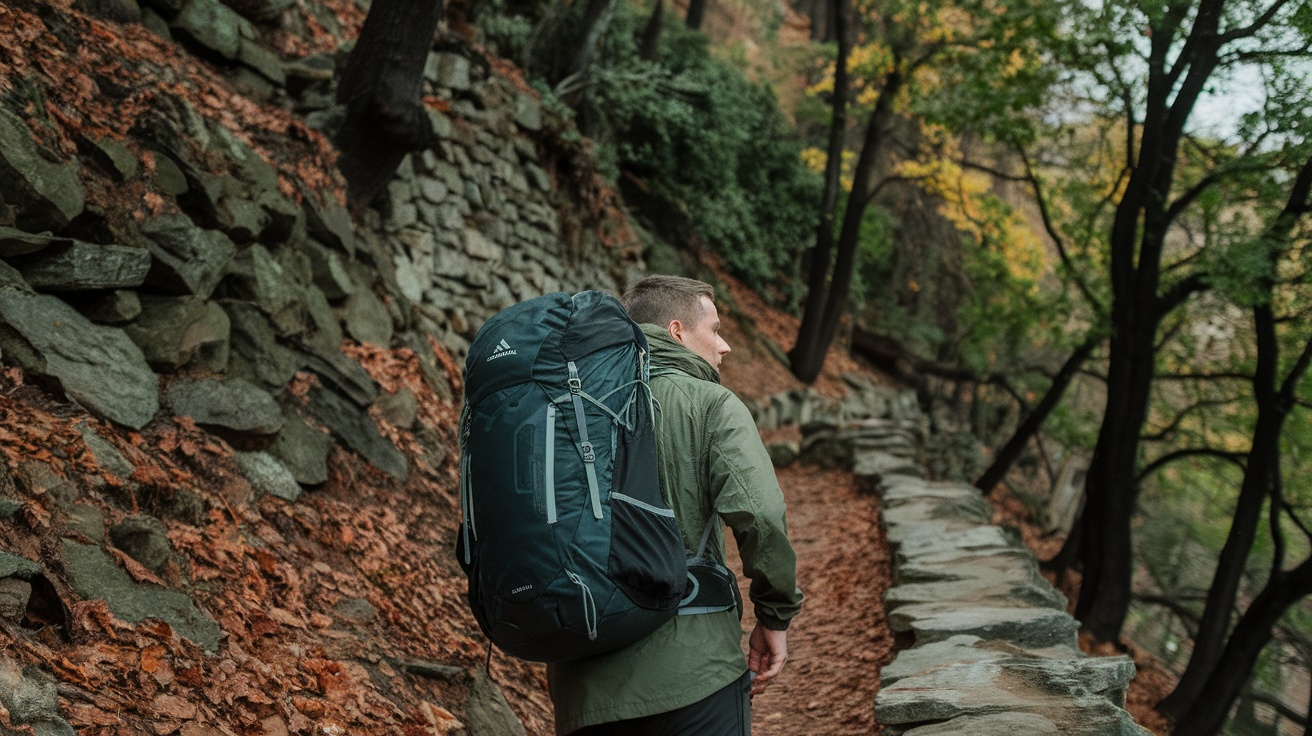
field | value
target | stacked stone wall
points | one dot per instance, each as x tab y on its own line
985	645
192	261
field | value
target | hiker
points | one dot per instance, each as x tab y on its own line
690	677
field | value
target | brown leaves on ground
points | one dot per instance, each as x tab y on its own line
321	602
90	78
839	642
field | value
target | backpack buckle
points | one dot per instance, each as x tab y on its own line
575	385
588	455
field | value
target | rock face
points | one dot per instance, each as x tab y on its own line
94	574
233	404
98	367
81	266
40	194
31	699
249	291
187	259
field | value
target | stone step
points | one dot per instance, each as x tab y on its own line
1022	626
1076	694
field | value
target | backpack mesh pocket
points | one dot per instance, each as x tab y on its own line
647	559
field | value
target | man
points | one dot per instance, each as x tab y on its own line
689	678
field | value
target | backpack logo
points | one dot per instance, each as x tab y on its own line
502	350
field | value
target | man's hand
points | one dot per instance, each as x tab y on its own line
767	651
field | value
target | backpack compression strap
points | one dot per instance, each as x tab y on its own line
585	446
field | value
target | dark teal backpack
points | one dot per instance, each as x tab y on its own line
569	548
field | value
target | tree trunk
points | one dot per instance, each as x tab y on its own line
1250	636
381	88
696	11
821	252
1111	485
1137	236
820	325
596	20
651	32
1259	474
824	21
1025	432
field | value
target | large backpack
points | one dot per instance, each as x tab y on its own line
569	548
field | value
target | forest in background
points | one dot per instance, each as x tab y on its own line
1079	230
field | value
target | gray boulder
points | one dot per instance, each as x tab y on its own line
234	404
340	372
105	454
1080	696
17	567
256	276
327	328
11	279
330	275
303	450
15	242
268	476
399	409
356	429
37	478
257	356
487	711
40	194
88	521
1024	627
111	155
112	308
367	318
14	596
188	259
98	367
329	222
212	25
528	112
94	574
144	539
173	331
30	697
78	266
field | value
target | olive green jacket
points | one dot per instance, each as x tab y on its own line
712	460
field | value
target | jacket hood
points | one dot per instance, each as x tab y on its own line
666	352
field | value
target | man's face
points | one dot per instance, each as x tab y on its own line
703	337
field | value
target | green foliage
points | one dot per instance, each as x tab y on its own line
704	136
505	33
690	125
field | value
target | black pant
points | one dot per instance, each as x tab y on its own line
725	712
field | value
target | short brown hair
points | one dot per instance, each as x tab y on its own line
659	300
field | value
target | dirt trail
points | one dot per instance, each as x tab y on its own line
842	637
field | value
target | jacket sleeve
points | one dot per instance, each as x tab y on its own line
748	498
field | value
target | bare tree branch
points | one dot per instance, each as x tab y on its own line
1258	24
1051	229
1220	376
1293	516
1170	429
1235	458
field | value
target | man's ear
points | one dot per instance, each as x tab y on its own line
676	330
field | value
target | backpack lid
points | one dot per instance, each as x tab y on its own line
535	339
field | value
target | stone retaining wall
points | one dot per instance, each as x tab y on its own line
197	262
986	646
